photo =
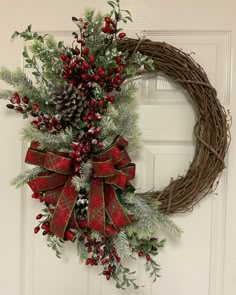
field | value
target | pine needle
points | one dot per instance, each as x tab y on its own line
26	176
169	224
59	142
6	94
122	245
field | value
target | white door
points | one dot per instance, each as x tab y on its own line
203	261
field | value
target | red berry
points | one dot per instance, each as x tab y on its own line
148	257
51	211
85	76
85	65
100	102
85	51
122	35
77	167
87	148
19	109
119	69
96	77
105	29
67	60
45	226
88	261
77	50
107	19
36	196
108	277
92	103
104	261
39	216
140	253
112	98
118	259
63	57
73	65
36	229
90	117
92	59
85	25
118	59
69	235
66	68
35	106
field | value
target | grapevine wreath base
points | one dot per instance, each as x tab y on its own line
83	127
211	129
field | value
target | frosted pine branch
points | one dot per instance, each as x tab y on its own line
59	142
122	245
81	250
18	77
5	94
26	176
168	224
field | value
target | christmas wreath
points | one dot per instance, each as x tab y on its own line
82	129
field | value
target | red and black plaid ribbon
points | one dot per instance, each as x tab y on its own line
55	183
112	169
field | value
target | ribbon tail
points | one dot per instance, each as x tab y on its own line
114	209
64	209
96	211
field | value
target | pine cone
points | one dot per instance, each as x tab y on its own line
71	104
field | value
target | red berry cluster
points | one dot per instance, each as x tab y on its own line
44	224
42	121
84	145
102	253
110	27
141	253
19	104
82	71
45	122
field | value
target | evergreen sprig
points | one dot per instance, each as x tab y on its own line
59	142
56	244
153	268
122	245
123	278
26	176
168	224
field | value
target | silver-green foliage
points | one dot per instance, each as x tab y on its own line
26	176
59	142
148	216
122	245
122	119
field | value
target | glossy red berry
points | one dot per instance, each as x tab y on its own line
92	59
85	51
39	216
118	59
36	229
19	109
63	57
148	257
108	20
35	106
122	35
140	253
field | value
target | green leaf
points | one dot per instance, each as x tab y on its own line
15	34
37	74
